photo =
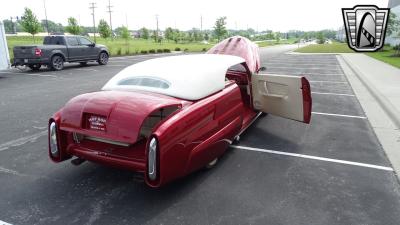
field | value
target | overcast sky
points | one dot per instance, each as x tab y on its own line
277	15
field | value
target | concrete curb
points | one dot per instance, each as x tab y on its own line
388	107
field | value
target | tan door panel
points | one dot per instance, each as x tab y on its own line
282	95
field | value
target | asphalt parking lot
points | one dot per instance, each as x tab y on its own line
332	171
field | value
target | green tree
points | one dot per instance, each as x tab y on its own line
393	24
125	34
206	36
73	27
8	26
320	38
219	28
30	23
144	33
169	33
104	29
53	27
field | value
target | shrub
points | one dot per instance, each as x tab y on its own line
166	50
127	52
152	51
143	52
397	47
204	50
159	51
177	49
119	52
185	50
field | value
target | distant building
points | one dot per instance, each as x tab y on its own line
394	39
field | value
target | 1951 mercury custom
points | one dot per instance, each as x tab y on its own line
167	117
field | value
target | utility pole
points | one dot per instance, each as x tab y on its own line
92	7
109	11
156	36
201	23
126	20
45	14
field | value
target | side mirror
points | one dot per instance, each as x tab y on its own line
92	45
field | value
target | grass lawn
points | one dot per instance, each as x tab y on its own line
274	42
335	47
386	55
119	47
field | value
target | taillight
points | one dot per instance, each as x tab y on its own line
38	52
53	141
152	159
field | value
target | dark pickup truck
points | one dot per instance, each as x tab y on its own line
58	49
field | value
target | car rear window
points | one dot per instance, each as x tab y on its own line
53	40
145	81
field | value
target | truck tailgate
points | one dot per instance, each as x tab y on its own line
25	52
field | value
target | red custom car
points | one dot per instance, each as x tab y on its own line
167	117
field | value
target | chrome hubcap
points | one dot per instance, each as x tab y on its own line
103	58
57	63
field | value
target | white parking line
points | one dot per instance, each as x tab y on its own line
21	141
313	157
8	171
38	75
304	74
300	68
339	115
327	93
30	74
117	65
4	223
303	64
324	81
313	74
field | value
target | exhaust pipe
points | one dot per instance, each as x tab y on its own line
78	161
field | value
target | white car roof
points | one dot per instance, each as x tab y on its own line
190	77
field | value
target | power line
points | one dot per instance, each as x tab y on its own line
109	11
92	7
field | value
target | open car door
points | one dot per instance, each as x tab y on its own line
282	95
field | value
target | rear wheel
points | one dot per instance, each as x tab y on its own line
57	63
35	67
103	58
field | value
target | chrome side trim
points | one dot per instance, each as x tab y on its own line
252	121
107	141
227	140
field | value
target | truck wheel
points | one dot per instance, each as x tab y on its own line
57	63
103	58
35	67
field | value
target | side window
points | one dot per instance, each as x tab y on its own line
72	41
84	41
